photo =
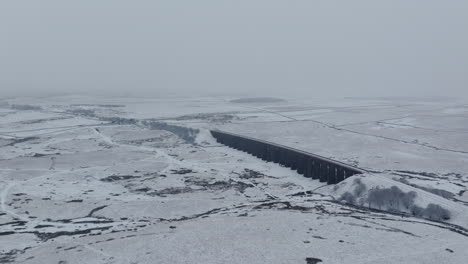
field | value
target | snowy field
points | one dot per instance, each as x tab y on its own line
133	180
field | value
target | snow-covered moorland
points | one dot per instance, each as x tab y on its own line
132	180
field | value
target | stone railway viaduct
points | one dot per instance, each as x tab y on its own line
308	164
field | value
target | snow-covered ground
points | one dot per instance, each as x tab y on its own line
99	180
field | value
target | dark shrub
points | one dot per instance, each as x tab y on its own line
360	187
416	211
348	197
436	212
391	199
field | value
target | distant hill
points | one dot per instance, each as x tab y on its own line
258	100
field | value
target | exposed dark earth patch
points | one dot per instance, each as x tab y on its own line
318	237
44	236
75	201
252	174
219	185
210	117
304	193
43	226
40	155
95	210
15	223
159	139
182	171
7	233
204	185
151	176
312	260
168	191
201	215
284	205
10	256
20	140
84	226
114	178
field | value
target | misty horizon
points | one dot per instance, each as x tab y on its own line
315	49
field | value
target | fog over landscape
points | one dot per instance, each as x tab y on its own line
329	48
216	131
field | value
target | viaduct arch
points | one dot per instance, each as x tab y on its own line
308	164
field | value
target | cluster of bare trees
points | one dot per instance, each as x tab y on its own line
393	199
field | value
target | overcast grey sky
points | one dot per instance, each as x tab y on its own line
323	47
